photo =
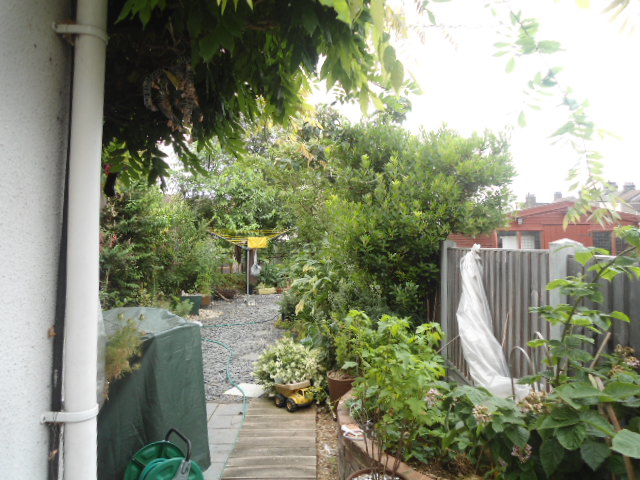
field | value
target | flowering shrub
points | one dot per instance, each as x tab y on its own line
288	362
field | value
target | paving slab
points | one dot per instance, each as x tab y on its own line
225	421
214	472
222	436
229	409
251	390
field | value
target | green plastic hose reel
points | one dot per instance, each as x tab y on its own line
163	461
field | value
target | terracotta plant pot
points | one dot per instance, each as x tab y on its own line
339	384
365	471
206	300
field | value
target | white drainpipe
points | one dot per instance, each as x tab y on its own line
82	307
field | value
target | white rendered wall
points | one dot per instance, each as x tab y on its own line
34	81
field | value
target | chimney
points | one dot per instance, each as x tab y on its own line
557	196
614	186
530	201
628	186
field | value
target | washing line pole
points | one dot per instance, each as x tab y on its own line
248	255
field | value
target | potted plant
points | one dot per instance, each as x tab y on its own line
350	340
204	285
287	362
195	299
399	370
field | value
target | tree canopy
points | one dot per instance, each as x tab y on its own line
193	70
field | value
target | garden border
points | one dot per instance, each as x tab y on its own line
352	455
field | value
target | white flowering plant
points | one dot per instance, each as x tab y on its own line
289	362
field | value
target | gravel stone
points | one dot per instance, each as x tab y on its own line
246	341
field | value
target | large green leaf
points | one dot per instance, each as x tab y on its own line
561	417
551	455
597	421
594	453
627	443
578	390
572	437
377	14
622	390
518	435
397	75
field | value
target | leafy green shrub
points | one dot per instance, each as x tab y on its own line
153	248
399	368
230	284
288	362
122	349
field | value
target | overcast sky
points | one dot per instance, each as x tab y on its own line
467	88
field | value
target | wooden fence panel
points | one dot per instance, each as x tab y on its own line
514	280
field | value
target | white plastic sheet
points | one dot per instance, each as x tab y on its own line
482	352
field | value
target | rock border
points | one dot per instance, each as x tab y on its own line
352	455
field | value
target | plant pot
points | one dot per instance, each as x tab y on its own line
365	471
206	301
279	290
196	303
339	384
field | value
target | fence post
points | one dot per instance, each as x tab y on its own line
559	251
444	293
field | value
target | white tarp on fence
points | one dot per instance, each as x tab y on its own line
482	352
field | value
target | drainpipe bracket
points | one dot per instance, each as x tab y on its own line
77	29
70	417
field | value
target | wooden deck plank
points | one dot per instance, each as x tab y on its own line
276	433
271	471
266	451
273	444
250	461
293	442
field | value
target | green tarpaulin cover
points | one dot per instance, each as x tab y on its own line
167	391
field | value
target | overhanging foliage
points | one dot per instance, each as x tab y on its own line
181	71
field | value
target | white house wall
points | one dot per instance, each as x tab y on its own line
34	80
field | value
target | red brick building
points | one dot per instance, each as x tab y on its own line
536	227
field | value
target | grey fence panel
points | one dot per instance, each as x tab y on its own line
514	281
621	294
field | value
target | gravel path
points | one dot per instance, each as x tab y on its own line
246	341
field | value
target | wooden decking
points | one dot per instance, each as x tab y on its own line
274	443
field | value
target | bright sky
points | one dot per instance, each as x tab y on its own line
465	86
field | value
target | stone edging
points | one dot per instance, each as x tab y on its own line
352	455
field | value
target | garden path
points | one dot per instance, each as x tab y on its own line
272	444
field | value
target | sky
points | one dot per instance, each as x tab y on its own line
467	88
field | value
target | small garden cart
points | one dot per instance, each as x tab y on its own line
293	395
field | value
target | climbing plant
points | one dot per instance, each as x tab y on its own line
183	71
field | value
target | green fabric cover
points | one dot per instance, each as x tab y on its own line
167	391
